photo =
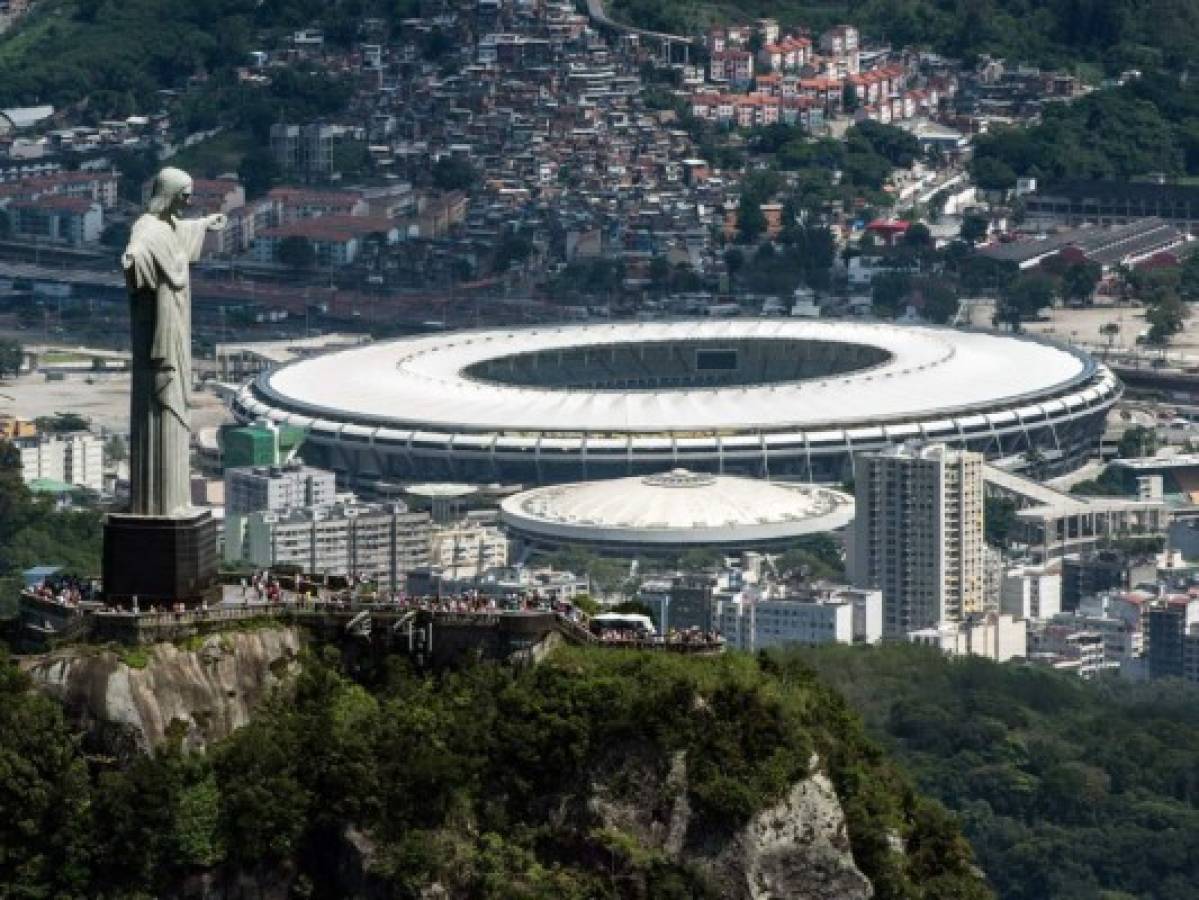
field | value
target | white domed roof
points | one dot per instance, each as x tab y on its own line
677	507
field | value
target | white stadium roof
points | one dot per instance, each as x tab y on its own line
420	382
675	508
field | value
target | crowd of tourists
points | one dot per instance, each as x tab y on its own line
66	590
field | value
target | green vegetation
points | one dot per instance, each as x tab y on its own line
10	357
1137	441
1148	126
476	779
62	422
813	556
219	155
133	657
33	532
1082	35
999	515
1108	484
118	54
1067	789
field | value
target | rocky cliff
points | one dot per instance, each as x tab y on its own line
201	693
796	848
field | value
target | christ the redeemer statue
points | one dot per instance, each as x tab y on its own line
161	245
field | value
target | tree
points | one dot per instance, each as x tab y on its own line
296	252
1188	284
1137	441
258	172
115	449
1024	297
734	261
115	235
849	98
1079	281
999	515
751	221
453	173
888	293
11	355
514	247
633	608
701	560
940	301
974	228
993	174
62	423
918	236
1165	316
659	272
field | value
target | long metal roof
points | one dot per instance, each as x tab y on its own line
421	382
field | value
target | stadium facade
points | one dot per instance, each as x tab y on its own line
759	397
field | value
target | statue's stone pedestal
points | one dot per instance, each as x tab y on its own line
159	559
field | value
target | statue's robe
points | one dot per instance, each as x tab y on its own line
156	272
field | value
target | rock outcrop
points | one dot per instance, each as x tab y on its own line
200	694
797	848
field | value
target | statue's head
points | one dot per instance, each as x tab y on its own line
171	192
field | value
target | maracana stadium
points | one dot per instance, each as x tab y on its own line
761	397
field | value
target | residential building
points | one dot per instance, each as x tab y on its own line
1174	638
680	601
1031	592
505	583
377	542
822	614
74	459
335	240
1088	574
275	488
66	220
305	149
1070	647
918	534
994	636
12	427
465	549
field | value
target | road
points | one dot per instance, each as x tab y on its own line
595	9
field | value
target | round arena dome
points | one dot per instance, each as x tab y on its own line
760	397
673	511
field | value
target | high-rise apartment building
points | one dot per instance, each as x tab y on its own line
381	542
918	534
76	459
278	488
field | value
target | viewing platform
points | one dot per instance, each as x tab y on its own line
433	630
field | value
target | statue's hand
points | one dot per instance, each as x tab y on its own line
217	222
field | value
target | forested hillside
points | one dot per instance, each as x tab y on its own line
1068	790
1148	126
113	55
483	781
1110	34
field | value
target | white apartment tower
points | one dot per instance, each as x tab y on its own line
76	458
918	534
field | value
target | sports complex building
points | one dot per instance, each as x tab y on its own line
673	511
760	397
